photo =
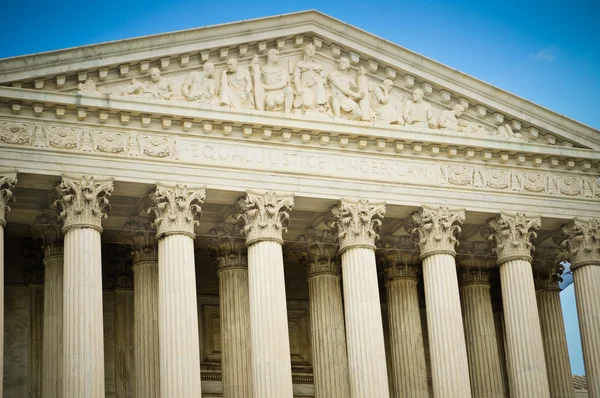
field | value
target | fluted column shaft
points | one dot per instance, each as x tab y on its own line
409	378
124	357
524	348
52	367
36	337
480	334
270	342
330	360
178	318
555	343
235	331
145	344
587	296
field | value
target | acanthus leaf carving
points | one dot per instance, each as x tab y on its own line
264	215
400	256
176	209
437	230
476	255
48	229
318	252
468	276
547	267
581	242
16	133
512	236
357	222
139	234
8	179
228	247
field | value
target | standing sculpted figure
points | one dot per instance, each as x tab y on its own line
362	82
385	108
344	91
272	90
236	87
417	112
449	119
309	80
158	87
200	86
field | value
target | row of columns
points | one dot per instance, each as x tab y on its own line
349	348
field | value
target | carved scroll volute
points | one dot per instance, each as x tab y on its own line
176	209
318	252
399	256
547	267
83	201
264	215
228	247
357	222
437	230
140	235
581	242
7	184
513	236
47	228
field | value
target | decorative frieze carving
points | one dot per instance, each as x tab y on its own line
16	133
582	242
264	215
357	222
61	137
476	255
317	251
111	142
228	247
140	235
176	209
8	179
547	267
47	228
157	146
83	201
437	229
512	236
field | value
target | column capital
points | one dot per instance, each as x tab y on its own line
123	282
400	257
357	222
140	235
471	276
83	201
476	255
176	209
581	242
317	251
512	235
547	268
437	229
8	179
264	215
47	228
228	247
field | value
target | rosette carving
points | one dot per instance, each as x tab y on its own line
264	216
512	236
83	202
317	250
357	222
47	228
547	267
139	234
7	183
582	242
16	133
437	230
399	256
176	209
228	247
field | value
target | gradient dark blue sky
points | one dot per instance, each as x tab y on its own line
545	51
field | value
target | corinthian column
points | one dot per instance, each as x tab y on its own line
485	370
583	248
35	282
7	183
512	235
141	237
265	217
409	371
176	210
234	306
357	224
81	206
546	275
47	228
317	251
437	230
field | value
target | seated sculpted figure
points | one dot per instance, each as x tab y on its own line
449	119
272	90
385	108
309	82
344	91
417	112
199	86
158	87
236	87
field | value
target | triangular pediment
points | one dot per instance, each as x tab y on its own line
387	76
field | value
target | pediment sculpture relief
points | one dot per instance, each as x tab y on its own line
304	85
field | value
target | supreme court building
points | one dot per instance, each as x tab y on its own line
287	207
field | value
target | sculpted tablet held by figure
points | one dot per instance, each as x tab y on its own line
344	92
200	86
158	87
236	87
272	90
309	81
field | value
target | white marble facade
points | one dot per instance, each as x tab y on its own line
307	211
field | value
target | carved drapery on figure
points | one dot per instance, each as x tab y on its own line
228	247
83	201
437	230
513	236
48	229
310	80
7	183
582	242
317	251
357	222
236	86
200	86
176	209
140	235
272	90
264	215
344	92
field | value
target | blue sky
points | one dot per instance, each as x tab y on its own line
546	52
